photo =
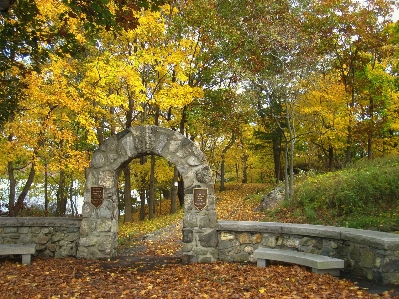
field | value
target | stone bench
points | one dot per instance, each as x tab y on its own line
26	250
319	263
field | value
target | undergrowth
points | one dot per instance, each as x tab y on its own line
364	195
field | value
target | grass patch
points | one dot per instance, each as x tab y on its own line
364	195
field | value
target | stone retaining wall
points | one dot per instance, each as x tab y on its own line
368	254
54	237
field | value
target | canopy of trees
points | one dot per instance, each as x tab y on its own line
265	88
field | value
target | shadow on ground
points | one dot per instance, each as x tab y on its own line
149	263
372	287
141	263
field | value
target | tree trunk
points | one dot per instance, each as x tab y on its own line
289	152
330	158
142	192
46	201
127	195
5	5
348	157
180	191
180	187
222	188
227	147
142	207
370	130
74	209
276	144
151	197
12	184
244	169
286	184
61	199
173	193
25	190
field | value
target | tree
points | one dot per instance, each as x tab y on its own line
347	30
322	117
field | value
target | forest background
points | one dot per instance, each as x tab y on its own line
266	89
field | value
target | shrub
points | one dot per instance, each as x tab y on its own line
362	189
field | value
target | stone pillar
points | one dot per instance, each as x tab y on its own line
200	238
99	228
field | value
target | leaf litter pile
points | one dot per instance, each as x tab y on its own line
132	275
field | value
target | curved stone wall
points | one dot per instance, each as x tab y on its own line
369	254
100	224
54	237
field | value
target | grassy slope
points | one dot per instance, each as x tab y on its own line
365	195
362	196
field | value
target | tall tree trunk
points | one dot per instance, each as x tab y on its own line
126	171
226	148
173	193
61	198
349	141
370	130
127	195
180	191
12	182
142	207
276	145
142	192
151	195
244	168
286	179
46	201
21	198
180	182
222	187
74	209
292	134
330	158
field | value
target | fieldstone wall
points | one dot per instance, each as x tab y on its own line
100	224
54	237
368	254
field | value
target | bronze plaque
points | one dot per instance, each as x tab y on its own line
200	198
97	196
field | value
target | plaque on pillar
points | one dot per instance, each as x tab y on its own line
97	196
200	198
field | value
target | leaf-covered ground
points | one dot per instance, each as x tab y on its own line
151	268
71	278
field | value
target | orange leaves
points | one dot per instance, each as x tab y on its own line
236	204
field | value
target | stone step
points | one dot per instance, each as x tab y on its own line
319	263
26	250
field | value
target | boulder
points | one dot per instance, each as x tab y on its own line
271	199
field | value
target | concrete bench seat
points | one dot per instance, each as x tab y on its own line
319	263
26	250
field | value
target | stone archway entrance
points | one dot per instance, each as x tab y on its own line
99	228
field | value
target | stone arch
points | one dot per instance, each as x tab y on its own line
99	228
